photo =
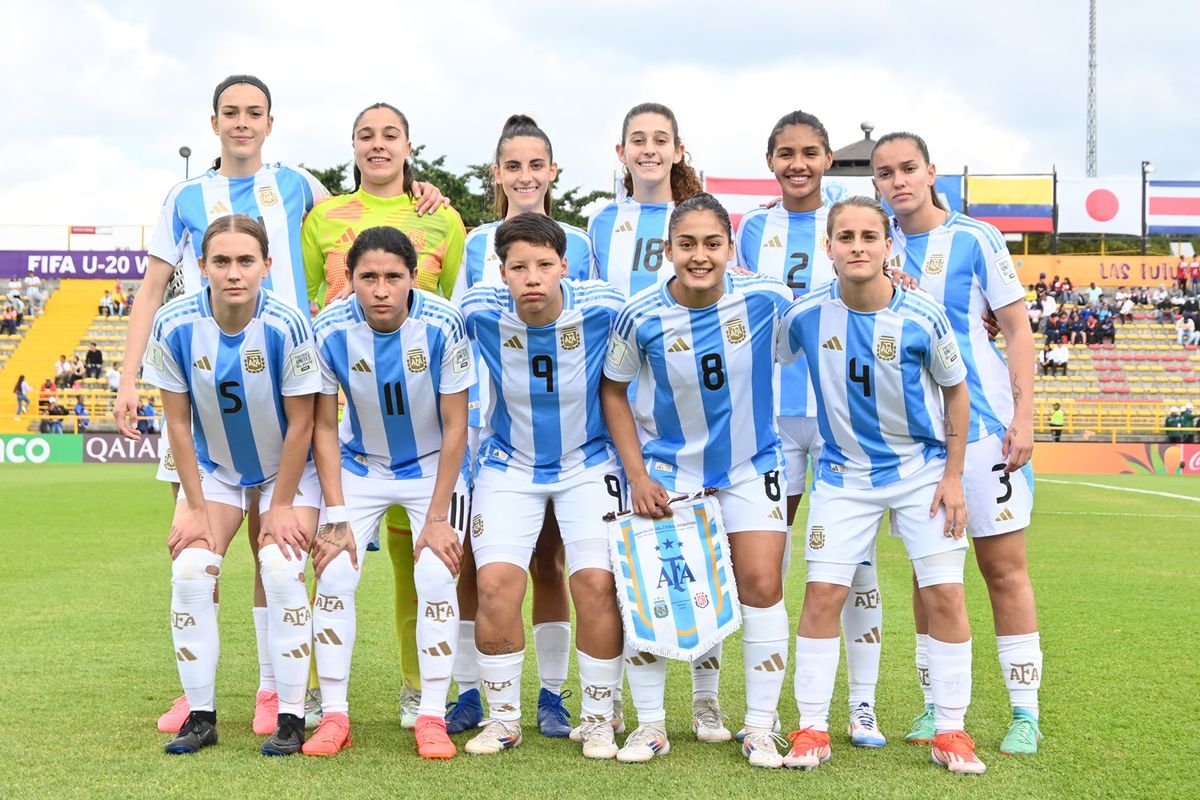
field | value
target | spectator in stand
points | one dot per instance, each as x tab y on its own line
148	418
22	390
1055	288
106	304
113	377
14	291
1060	356
1194	322
1091	330
119	300
93	361
1065	290
1057	422
1174	423
1093	294
1189	424
33	291
62	371
1031	295
81	415
1181	273
129	301
1050	328
8	323
1185	327
1035	315
1108	330
1049	305
1076	328
47	392
1126	309
52	420
1040	286
1044	361
78	371
1194	276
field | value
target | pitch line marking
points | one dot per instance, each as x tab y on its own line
1122	489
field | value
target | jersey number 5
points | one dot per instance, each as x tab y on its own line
227	389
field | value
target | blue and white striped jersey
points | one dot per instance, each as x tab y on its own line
705	406
481	266
392	425
966	266
629	240
788	246
545	418
278	196
876	378
236	382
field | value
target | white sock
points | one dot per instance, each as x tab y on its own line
598	679
923	667
552	643
950	679
1021	663
862	625
437	632
501	679
335	628
289	625
266	670
764	658
194	625
647	675
706	674
816	670
466	660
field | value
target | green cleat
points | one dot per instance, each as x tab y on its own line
1023	735
923	729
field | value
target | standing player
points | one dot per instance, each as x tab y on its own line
385	195
629	240
877	356
701	345
543	340
276	195
523	170
787	242
964	263
401	357
238	372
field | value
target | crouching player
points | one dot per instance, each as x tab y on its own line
401	357
877	357
238	371
543	340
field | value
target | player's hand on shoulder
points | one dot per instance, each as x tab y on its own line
438	537
331	539
429	198
650	499
902	279
189	528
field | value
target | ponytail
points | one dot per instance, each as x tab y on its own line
408	168
514	126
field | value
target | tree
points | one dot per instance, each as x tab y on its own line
335	178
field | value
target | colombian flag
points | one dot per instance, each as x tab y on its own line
1014	204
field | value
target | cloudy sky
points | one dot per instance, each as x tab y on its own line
98	96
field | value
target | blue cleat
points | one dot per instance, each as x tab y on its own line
464	713
552	715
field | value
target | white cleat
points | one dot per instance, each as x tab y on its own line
410	701
496	737
618	723
759	748
646	742
776	727
708	721
598	740
863	728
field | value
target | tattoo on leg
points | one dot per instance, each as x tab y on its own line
497	647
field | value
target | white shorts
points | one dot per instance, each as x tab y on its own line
308	491
801	441
508	508
997	501
166	461
755	504
843	523
368	499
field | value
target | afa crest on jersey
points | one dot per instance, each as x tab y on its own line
569	338
885	348
735	330
255	361
934	264
417	361
267	196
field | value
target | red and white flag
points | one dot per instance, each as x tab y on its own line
740	195
1099	205
1173	207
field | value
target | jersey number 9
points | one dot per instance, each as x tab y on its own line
542	366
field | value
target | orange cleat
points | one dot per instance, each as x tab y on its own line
432	741
173	720
810	749
266	713
955	750
331	737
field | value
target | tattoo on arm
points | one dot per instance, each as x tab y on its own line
332	533
950	428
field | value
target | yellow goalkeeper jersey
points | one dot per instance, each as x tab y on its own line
333	224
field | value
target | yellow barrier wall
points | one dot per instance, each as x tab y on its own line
1109	271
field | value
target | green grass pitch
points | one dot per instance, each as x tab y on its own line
86	667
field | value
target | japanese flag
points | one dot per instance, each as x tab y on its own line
1099	205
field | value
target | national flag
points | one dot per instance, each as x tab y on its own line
1013	203
740	195
1173	207
1099	205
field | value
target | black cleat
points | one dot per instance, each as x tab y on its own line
288	737
196	733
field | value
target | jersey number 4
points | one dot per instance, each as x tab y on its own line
861	376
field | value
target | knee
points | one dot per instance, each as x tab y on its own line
821	600
760	588
593	591
280	575
431	576
337	585
944	600
1004	573
194	573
